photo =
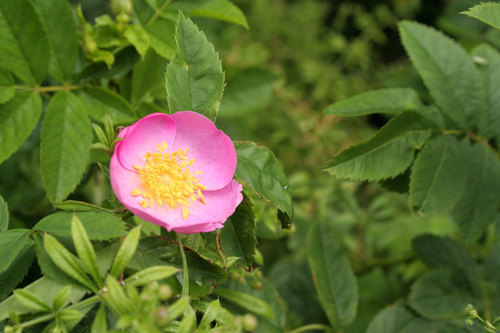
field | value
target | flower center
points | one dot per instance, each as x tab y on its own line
166	180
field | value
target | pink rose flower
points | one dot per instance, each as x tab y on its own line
176	171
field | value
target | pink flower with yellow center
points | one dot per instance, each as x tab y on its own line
176	171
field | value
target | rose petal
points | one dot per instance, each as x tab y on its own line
144	136
212	150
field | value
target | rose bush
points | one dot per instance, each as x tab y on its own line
176	171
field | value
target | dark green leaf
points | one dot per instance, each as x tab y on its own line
99	102
388	153
438	175
332	275
488	12
18	118
17	269
239	233
12	243
4	215
389	101
84	249
398	319
194	77
444	293
448	73
124	61
246	301
146	76
24	40
161	35
478	205
258	167
438	252
126	251
99	225
58	19
66	137
137	36
6	86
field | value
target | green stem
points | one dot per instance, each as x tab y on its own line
47	89
38	320
185	273
89	301
310	327
158	12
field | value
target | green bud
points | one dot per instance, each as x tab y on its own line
257	285
8	329
122	6
161	315
249	322
469	322
164	292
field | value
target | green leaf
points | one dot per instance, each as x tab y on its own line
45	289
6	86
438	175
99	225
24	41
125	59
146	76
478	205
18	269
438	252
444	293
99	102
66	137
84	249
12	243
246	301
489	69
223	10
18	118
447	71
188	322
161	35
332	275
176	309
398	319
258	167
61	298
389	101
67	262
58	19
70	315
239	233
80	206
126	251
99	324
4	215
211	314
31	301
488	12
137	36
115	296
194	77
150	274
388	153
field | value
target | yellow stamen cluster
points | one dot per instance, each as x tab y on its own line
166	180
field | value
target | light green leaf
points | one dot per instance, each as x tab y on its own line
61	298
12	243
80	206
194	77
84	249
18	118
438	175
258	167
211	314
398	319
246	301
488	12
332	275
490	73
389	101
150	274
99	101
161	35
67	262
70	315
98	225
99	324
102	56
388	153
444	293
24	41
4	215
438	252
126	251
238	236
115	296
223	10
58	19
147	76
6	86
176	309
66	137
448	73
188	322
478	205
31	301
137	36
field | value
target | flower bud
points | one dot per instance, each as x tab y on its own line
165	292
122	6
249	322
